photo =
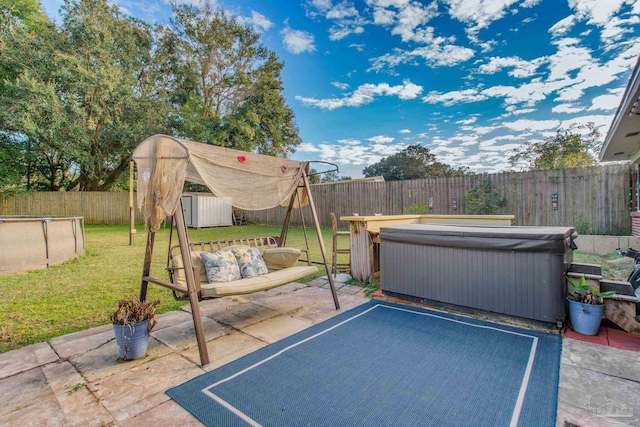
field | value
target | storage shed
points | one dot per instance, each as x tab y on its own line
206	210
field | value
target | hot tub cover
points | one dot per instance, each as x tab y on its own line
553	240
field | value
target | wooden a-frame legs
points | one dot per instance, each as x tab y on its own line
185	251
189	273
323	250
190	278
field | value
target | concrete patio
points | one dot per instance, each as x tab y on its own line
76	380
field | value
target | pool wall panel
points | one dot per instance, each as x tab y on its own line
28	243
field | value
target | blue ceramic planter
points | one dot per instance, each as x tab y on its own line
585	318
132	340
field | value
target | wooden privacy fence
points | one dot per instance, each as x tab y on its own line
95	206
597	198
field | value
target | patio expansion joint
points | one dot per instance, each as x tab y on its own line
233	329
70	358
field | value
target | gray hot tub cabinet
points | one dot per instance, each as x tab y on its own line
518	271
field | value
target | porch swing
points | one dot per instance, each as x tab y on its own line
245	180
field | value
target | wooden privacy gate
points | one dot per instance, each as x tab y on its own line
164	163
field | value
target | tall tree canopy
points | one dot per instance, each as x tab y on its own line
229	84
414	162
76	98
575	147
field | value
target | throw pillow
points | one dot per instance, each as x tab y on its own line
250	262
279	258
221	266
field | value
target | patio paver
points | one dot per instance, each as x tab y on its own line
26	358
88	386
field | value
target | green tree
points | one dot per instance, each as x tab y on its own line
414	162
84	95
568	148
228	84
314	177
484	200
331	176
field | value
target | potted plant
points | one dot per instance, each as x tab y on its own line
132	323
586	307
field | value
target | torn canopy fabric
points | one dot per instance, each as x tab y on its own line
244	180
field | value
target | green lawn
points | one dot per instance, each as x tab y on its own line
82	293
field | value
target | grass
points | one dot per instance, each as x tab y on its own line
83	292
614	266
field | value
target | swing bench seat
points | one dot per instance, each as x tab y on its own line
274	278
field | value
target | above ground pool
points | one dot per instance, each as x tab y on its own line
30	243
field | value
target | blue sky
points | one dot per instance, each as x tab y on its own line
469	79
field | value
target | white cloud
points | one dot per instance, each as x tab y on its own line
500	148
566	108
342	30
346	20
563	26
530	3
615	29
381	139
595	75
607	102
478	14
523	111
570	72
480	130
358	155
341	11
365	94
384	17
387	150
404	131
350	141
434	55
322	4
258	21
297	41
339	85
534	125
487	46
454	97
307	147
520	67
357	46
388	3
412	16
408	20
468	121
597	11
599	121
489	142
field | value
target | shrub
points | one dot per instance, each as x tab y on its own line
484	200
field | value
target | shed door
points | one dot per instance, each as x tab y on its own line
187	209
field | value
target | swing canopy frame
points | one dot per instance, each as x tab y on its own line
247	181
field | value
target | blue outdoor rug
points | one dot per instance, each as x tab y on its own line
384	364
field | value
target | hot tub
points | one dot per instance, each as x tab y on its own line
30	243
518	271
